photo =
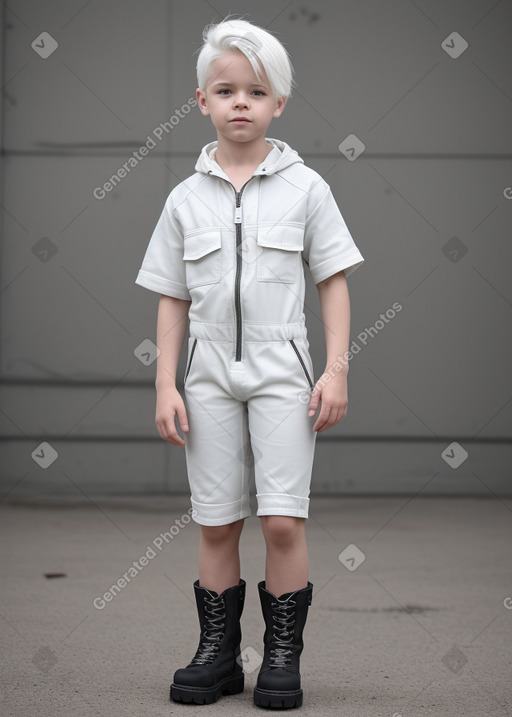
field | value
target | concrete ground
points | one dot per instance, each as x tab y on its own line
421	626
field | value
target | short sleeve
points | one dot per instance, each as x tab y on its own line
328	244
162	268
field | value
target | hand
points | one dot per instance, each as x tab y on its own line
334	397
169	404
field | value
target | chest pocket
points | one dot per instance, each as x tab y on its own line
280	253
201	254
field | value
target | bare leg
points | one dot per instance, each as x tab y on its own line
287	562
219	559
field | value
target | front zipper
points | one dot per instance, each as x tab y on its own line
301	362
190	359
238	275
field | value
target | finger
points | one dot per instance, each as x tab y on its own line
168	432
322	418
313	403
339	415
329	421
173	436
332	419
182	417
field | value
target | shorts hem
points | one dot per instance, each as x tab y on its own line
212	514
283	511
282	504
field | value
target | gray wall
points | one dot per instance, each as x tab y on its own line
427	203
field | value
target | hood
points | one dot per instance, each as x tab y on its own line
280	157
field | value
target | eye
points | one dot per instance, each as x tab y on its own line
221	91
260	92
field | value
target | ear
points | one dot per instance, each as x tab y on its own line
280	105
201	102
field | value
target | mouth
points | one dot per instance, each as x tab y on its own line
240	119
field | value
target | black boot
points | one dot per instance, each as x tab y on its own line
278	683
214	670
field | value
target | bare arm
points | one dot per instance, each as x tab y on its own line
171	327
331	387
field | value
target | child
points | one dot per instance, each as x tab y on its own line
227	257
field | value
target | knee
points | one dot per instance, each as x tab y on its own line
281	530
218	534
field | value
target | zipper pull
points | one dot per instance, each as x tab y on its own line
238	214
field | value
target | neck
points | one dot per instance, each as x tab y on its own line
241	154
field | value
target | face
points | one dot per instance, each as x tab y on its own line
233	90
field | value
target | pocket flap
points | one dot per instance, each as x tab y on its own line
282	236
197	245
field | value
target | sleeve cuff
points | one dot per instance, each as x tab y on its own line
331	266
162	286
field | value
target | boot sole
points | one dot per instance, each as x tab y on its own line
276	699
207	695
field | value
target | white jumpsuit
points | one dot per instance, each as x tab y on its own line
238	257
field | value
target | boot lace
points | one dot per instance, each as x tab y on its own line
284	617
213	631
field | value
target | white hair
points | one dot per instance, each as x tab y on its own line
260	47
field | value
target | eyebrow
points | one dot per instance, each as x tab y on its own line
222	82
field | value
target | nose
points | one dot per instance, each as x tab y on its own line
240	99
